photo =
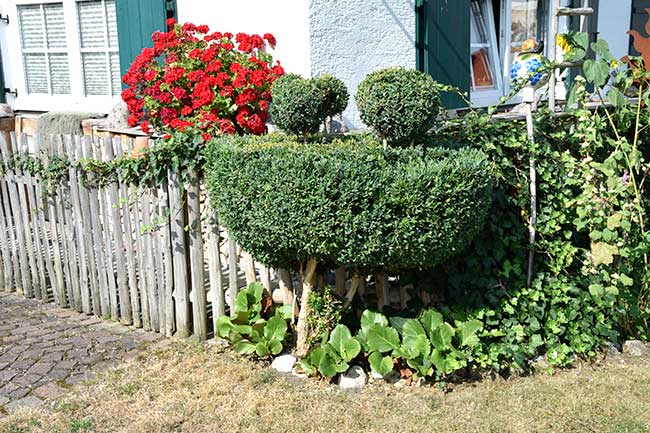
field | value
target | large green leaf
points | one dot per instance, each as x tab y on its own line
224	325
466	332
601	47
380	364
439	360
382	339
276	328
344	343
414	336
398	323
327	366
441	338
262	350
275	346
369	318
244	347
431	320
596	71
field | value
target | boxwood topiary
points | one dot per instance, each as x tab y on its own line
349	202
399	104
334	94
297	106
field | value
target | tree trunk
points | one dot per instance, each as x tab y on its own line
302	330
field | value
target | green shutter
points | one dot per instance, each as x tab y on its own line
3	96
443	48
137	20
639	20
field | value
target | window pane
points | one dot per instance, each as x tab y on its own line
528	22
35	73
59	74
92	31
111	18
483	50
95	68
54	25
31	27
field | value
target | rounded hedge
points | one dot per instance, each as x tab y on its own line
399	104
297	106
334	94
349	202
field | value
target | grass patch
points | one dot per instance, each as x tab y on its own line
188	389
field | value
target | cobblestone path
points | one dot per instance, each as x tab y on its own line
45	349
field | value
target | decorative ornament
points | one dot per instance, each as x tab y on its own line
530	63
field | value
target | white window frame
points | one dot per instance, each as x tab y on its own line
490	97
484	97
76	100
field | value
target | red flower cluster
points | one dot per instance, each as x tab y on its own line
215	82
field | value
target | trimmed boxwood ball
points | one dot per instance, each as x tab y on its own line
399	104
297	105
334	94
348	202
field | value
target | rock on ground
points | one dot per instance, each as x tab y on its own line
353	379
636	348
284	363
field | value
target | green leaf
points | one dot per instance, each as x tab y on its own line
345	345
398	323
382	339
431	320
276	328
224	325
615	97
441	338
627	281
275	346
327	367
603	253
466	332
285	311
601	47
369	318
380	364
244	347
614	221
597	290
261	350
412	329
439	360
596	71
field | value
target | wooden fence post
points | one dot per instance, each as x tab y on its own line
179	258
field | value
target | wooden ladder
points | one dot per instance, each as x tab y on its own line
558	12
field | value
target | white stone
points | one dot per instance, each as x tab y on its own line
284	363
353	379
117	118
376	375
636	348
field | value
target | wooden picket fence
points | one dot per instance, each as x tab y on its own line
154	257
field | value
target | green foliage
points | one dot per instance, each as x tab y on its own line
399	104
347	202
426	344
326	311
334	94
297	106
250	332
333	355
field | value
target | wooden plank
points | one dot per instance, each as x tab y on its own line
215	273
179	258
141	263
249	269
25	275
147	235
93	199
72	143
26	223
58	283
41	198
265	278
5	246
170	322
127	215
13	279
233	288
34	209
286	286
158	260
197	295
85	231
109	256
70	242
118	236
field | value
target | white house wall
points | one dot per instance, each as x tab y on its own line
614	19
351	38
287	20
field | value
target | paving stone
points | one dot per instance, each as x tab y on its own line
30	402
52	357
20	392
7	374
3	401
41	368
27	379
49	391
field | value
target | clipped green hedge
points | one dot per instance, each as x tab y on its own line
347	202
399	104
297	106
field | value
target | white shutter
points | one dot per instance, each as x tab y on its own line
99	47
43	42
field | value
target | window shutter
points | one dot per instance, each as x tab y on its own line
43	42
98	38
137	20
444	44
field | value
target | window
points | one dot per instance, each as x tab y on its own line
490	61
43	42
69	55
